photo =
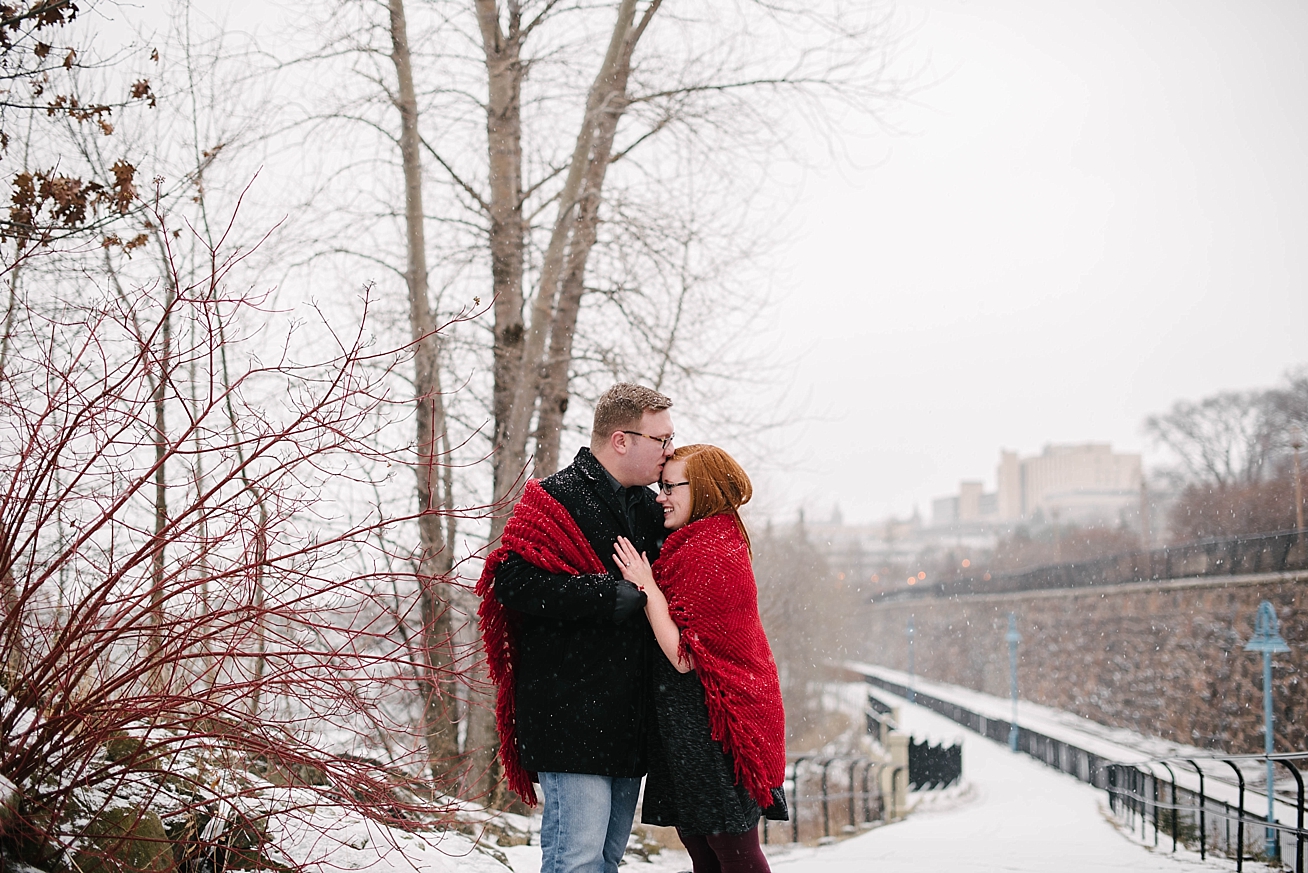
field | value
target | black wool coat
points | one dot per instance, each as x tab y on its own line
582	683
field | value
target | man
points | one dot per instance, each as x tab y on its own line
578	640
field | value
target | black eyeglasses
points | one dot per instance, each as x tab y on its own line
663	442
666	487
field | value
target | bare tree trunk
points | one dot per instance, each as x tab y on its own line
261	620
504	72
440	712
554	311
554	391
10	311
11	622
159	401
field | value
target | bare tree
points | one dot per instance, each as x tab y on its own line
1288	405
1237	451
1223	440
553	132
535	334
524	141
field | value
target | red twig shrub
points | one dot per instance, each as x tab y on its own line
197	638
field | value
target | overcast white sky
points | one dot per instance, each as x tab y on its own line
1095	210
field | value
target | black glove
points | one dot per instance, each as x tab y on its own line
629	599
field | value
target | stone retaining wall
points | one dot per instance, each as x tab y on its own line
1163	658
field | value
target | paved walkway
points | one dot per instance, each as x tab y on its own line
1014	816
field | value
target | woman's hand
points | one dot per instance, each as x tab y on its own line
634	566
635	569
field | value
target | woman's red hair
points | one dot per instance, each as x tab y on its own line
717	484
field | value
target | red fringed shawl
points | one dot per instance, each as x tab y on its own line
543	532
704	569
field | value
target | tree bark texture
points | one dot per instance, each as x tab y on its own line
554	390
532	359
504	74
440	713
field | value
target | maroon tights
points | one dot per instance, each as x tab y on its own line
725	853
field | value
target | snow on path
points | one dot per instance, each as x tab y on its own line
1014	815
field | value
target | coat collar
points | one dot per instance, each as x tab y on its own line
600	480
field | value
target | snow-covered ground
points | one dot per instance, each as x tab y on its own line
1115	744
1012	814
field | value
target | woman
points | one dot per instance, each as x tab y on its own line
718	757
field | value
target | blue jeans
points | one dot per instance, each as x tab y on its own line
586	821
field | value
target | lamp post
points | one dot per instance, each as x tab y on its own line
1267	639
1013	638
912	695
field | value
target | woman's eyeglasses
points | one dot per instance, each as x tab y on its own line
666	487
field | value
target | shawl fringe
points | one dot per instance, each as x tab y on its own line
542	532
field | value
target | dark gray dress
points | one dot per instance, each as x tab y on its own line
691	783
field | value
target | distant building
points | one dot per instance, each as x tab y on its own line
1084	484
881	556
972	504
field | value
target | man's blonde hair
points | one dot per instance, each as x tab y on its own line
621	408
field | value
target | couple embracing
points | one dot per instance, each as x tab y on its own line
623	633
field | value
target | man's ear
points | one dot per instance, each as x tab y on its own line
618	441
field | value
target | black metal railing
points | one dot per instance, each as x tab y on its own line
1225	556
879	718
828	795
931	767
1084	765
1138	793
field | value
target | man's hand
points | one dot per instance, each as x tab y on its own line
629	600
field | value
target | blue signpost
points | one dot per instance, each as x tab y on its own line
1013	638
1267	639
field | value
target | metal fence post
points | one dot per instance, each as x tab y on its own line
826	809
794	822
1203	815
852	767
1239	822
1175	812
1299	835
